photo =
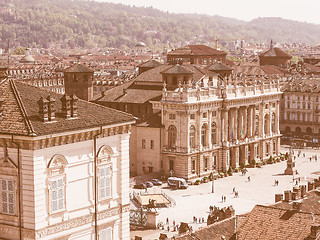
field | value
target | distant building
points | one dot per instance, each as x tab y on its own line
275	56
196	54
64	166
300	108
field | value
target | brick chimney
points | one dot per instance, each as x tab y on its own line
296	205
43	109
74	106
1	106
66	106
51	108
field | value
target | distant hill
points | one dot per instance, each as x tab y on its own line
89	24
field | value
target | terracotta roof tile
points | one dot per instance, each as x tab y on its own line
20	113
275	52
269	223
177	69
78	68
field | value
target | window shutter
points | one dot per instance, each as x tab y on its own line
57	195
7	196
104	183
108	182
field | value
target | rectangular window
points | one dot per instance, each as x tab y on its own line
143	144
8	196
205	163
106	234
214	113
204	115
172	116
104	182
57	194
192	116
193	165
152	144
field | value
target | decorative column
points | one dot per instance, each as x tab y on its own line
210	128
245	119
235	129
224	137
277	129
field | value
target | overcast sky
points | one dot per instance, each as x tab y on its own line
300	10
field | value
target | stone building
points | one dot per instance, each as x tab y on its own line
193	121
218	125
300	107
196	54
64	166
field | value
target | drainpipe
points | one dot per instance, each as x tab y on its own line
19	187
95	183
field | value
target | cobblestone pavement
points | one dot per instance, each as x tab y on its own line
195	200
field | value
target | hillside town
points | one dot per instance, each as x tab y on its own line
206	140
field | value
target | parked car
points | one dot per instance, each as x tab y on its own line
156	182
140	186
148	184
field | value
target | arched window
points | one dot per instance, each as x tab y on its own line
204	141
287	129
172	136
214	133
192	133
273	123
309	130
57	183
105	155
298	130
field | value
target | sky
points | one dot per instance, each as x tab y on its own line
300	10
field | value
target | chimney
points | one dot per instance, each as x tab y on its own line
3	73
66	106
43	109
51	108
1	106
315	231
287	196
296	205
74	106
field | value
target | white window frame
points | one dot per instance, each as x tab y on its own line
106	234
104	182
56	172
7	192
55	195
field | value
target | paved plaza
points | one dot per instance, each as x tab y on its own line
261	189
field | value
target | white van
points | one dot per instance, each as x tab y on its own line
177	182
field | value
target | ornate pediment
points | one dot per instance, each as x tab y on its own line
57	164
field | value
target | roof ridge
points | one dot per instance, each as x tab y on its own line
22	108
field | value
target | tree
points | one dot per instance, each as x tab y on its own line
19	51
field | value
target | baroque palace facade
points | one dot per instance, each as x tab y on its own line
214	126
192	121
64	166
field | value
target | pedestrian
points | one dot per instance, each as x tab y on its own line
224	198
167	220
203	220
234	189
304	154
296	182
168	228
174	222
249	179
